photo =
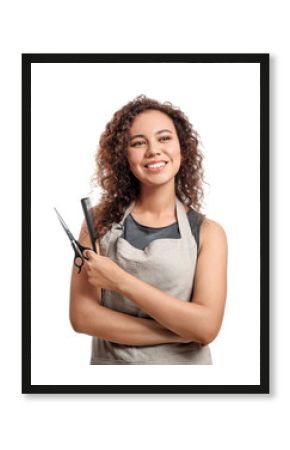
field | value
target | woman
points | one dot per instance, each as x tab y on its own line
156	292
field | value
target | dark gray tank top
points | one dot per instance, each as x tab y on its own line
140	236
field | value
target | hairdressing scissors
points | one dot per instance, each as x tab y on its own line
79	258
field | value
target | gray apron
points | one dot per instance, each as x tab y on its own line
168	265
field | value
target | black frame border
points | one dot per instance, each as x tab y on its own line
261	58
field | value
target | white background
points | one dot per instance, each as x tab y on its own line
74	421
71	103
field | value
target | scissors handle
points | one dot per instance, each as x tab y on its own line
79	258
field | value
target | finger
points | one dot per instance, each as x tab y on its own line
89	254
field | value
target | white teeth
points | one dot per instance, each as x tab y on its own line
154	166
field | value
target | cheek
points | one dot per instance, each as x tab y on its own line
134	158
176	157
175	154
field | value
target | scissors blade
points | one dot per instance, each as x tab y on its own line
65	227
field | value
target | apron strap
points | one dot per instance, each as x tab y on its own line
182	219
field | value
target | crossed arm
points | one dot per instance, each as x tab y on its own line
172	320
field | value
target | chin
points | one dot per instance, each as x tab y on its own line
157	182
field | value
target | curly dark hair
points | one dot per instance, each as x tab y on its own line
119	186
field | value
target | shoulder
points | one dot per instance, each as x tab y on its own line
84	234
212	233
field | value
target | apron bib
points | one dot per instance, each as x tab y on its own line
168	265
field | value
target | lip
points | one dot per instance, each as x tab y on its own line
156	169
156	161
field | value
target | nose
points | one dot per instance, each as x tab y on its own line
152	149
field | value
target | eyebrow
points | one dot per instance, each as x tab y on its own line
142	135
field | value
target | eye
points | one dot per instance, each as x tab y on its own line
165	138
137	143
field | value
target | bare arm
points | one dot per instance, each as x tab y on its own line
199	320
89	317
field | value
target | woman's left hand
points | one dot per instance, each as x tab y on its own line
102	271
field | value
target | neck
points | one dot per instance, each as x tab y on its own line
157	200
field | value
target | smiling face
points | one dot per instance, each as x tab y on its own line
153	152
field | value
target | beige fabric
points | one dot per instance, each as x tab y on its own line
167	264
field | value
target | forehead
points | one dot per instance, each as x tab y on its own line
151	121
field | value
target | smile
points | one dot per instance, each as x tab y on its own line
155	167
